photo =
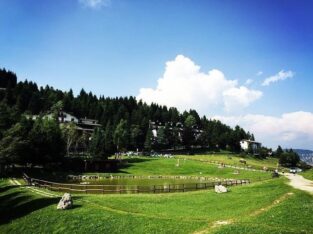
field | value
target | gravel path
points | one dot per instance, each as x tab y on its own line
298	182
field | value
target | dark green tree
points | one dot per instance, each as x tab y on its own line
120	136
148	145
279	151
97	144
15	146
136	137
188	132
289	159
47	141
108	139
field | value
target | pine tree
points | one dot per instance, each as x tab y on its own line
149	140
108	138
279	151
120	136
97	144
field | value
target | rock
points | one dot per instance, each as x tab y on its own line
220	189
66	202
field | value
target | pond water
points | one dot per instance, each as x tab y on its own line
141	185
139	181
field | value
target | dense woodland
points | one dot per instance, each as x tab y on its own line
125	125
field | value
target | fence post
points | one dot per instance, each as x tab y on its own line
183	187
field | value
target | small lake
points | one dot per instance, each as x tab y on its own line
138	181
141	184
134	184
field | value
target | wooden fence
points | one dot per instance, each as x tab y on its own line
127	189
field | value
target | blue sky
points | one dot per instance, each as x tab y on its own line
121	48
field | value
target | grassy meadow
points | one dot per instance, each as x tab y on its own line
308	174
187	166
233	159
265	206
181	165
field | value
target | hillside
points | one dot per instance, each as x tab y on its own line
305	155
264	206
114	124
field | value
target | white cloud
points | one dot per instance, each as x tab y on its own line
184	86
282	75
95	4
248	82
293	129
235	98
259	73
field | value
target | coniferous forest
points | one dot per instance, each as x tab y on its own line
126	124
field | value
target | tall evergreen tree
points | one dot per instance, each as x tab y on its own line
148	145
108	139
120	137
97	144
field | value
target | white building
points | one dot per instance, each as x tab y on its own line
245	144
67	118
83	124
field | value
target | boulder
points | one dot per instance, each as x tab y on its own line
66	202
220	189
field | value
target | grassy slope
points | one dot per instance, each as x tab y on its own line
290	216
234	160
308	174
162	213
148	166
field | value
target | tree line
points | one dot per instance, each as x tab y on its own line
125	121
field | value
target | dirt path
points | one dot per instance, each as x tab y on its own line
298	182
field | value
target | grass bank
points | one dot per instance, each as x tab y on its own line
263	207
145	166
234	159
308	174
185	166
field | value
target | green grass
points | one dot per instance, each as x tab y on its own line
308	174
145	166
25	212
247	209
233	159
161	166
290	216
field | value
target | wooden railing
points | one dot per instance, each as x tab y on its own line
122	189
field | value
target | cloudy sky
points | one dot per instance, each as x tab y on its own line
243	62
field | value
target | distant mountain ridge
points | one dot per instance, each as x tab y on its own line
305	155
